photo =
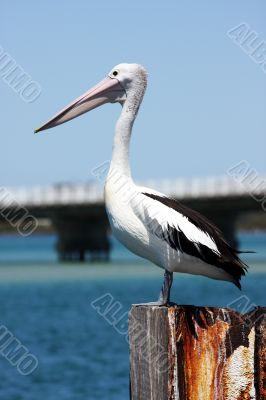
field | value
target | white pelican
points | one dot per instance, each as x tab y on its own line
147	222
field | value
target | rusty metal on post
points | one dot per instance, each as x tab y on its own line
197	353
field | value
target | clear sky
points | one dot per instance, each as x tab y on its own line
204	110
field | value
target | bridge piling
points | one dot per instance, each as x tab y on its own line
81	238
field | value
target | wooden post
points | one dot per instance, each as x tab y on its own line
197	353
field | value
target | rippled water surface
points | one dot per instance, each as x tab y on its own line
47	306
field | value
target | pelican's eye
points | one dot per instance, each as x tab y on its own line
115	73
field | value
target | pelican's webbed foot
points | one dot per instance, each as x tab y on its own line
164	297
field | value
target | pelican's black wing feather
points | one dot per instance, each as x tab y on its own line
227	258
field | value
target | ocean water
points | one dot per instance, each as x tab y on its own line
48	307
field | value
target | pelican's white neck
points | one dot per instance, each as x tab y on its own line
120	156
123	129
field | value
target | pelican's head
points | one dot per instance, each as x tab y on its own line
121	82
130	76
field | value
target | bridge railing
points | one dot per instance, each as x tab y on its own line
92	193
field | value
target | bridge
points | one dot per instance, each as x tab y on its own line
77	211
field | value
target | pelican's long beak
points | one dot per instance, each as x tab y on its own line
107	91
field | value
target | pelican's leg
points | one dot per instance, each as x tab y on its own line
164	297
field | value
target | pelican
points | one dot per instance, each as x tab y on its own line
150	224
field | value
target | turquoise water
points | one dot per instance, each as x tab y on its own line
47	306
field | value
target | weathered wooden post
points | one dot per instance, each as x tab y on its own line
197	353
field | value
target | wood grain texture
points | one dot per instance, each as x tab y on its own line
197	353
260	353
149	336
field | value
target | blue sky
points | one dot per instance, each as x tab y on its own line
203	112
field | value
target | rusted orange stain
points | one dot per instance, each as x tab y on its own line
205	355
204	358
